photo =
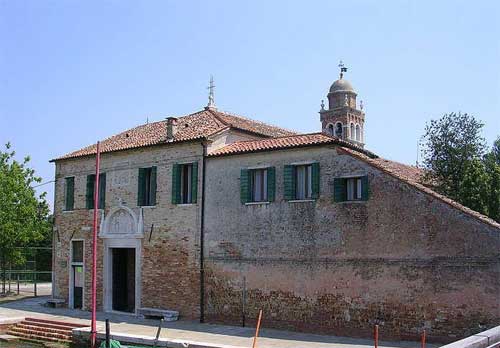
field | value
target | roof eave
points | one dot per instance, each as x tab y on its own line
197	139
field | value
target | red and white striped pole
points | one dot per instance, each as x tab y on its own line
423	339
93	330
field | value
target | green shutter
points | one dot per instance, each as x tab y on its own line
244	186
339	190
365	188
289	182
141	186
152	187
102	190
176	184
271	184
315	180
70	193
194	183
89	194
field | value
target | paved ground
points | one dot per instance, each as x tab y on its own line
25	290
191	331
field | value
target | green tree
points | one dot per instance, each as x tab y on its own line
449	144
492	167
23	214
474	186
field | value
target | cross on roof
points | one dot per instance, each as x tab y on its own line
211	95
343	69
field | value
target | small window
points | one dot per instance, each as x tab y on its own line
184	183
351	189
258	185
358	133
69	193
352	131
77	251
303	182
330	129
147	187
338	130
91	189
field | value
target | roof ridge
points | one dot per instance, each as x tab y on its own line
276	138
231	114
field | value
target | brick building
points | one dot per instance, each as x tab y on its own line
217	216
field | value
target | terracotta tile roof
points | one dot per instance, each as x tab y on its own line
413	176
191	127
285	142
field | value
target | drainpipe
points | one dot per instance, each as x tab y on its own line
202	237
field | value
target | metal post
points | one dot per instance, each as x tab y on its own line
10	275
18	283
34	283
158	333
376	336
254	345
93	330
423	339
243	301
107	333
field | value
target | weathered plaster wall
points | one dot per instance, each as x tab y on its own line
227	137
170	259
402	259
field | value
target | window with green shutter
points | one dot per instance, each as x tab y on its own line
271	184
289	182
89	194
69	194
351	189
146	187
244	186
185	183
176	184
315	189
260	185
302	182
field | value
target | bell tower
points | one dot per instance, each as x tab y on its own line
342	118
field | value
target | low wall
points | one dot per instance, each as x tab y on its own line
486	339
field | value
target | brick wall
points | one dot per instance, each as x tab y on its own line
403	259
169	255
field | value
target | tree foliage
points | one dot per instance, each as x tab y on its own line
458	167
23	214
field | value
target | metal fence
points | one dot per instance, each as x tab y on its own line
33	275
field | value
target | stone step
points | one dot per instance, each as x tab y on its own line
44	329
17	331
55	322
36	337
43	326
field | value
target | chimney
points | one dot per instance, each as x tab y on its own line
171	127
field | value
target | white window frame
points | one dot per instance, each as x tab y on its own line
254	195
354	187
303	189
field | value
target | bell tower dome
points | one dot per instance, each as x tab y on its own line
342	118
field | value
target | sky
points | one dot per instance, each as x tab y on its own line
74	72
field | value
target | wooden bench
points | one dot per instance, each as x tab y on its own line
155	313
